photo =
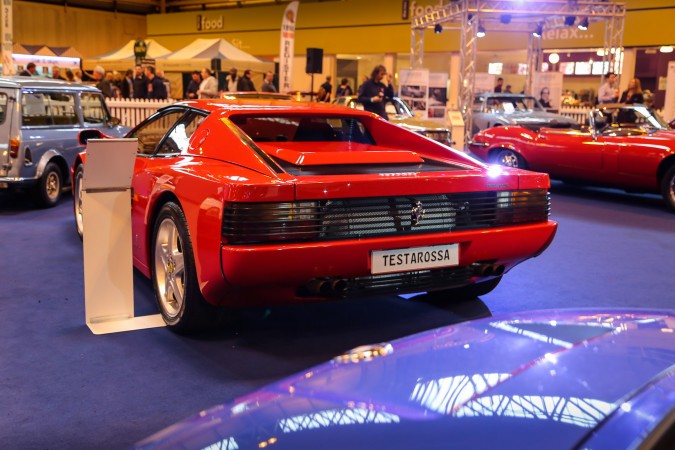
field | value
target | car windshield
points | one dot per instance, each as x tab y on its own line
508	104
627	117
277	128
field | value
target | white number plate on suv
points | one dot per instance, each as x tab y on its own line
416	258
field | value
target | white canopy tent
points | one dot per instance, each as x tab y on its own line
124	58
201	52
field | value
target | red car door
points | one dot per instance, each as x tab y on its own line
568	154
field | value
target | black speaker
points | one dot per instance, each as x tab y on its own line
314	60
215	64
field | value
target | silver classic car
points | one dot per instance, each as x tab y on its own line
40	120
401	114
496	109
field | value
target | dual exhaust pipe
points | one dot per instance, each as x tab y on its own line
489	270
327	287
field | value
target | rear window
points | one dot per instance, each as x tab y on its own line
48	108
303	129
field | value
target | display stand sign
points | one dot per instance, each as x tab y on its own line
669	108
438	96
414	90
106	221
547	88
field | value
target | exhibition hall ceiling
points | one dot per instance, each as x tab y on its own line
162	6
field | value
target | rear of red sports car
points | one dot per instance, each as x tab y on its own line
358	206
288	202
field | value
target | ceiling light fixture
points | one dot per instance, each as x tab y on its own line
666	49
583	25
481	31
538	31
569	20
438	28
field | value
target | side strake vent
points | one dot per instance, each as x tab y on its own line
354	218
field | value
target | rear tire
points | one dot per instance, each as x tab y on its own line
668	188
174	276
77	199
509	158
47	192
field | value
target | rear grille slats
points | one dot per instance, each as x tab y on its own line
426	280
382	216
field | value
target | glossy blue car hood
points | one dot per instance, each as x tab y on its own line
533	380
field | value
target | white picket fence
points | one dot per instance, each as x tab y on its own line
578	113
132	111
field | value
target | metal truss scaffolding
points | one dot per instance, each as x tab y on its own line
518	16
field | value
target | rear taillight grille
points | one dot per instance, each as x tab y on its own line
354	218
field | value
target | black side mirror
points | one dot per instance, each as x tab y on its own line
85	135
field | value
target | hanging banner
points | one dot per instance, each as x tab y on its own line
669	108
286	47
414	90
547	88
438	95
6	38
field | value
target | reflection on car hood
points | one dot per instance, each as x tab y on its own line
418	125
528	378
535	117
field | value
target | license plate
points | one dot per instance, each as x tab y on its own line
416	258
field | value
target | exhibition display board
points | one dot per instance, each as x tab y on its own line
108	259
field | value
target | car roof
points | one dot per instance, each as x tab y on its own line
261	105
17	82
499	94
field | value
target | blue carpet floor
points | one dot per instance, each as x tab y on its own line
62	387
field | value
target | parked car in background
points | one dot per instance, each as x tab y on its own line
626	146
400	114
256	94
252	202
575	379
496	109
40	120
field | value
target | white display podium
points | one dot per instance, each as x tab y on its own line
456	122
106	220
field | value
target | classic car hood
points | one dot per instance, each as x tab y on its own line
527	378
535	118
415	124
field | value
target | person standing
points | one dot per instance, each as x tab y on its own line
344	89
633	94
325	91
373	92
29	71
500	83
193	86
245	83
607	92
208	88
56	73
268	83
102	83
156	87
140	83
231	80
127	85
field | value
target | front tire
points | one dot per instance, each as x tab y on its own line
48	189
77	199
180	301
509	158
668	188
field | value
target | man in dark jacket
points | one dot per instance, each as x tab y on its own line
373	92
156	86
29	71
245	83
140	83
101	83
